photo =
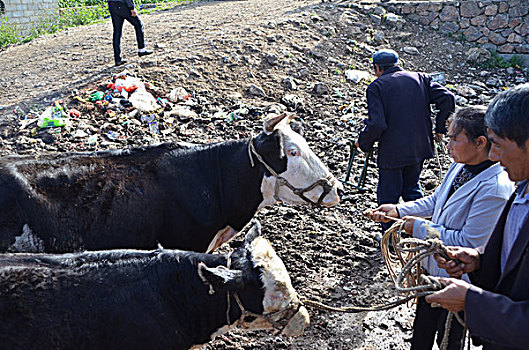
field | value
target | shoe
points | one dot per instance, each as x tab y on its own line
120	62
144	52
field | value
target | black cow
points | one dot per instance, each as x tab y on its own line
127	299
192	198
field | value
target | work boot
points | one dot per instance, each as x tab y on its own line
120	62
144	52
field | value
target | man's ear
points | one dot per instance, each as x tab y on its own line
482	142
220	277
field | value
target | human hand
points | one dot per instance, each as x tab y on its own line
463	260
357	145
381	213
452	296
133	13
409	221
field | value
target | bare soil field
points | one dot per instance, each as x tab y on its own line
238	61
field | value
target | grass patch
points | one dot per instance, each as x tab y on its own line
72	13
496	61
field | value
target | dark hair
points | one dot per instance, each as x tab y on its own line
472	120
508	115
383	67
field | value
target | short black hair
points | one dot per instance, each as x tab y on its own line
470	119
508	115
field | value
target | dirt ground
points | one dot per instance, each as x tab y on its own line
216	50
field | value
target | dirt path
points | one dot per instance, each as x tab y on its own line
295	53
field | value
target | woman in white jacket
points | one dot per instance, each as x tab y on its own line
464	209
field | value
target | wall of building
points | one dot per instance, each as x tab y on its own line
496	25
26	14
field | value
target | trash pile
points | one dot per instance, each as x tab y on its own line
124	111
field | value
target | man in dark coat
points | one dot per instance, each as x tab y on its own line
400	120
496	304
121	10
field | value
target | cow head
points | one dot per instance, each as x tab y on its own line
263	296
294	174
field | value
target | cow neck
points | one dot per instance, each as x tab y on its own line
240	204
326	183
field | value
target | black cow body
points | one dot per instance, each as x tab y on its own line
127	299
179	197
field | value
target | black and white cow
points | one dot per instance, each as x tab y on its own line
192	198
131	299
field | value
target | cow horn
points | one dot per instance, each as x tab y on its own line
271	123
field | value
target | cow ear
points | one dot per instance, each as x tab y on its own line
219	277
271	122
253	232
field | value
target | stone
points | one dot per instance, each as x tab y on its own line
465	23
504	6
320	89
519	11
513	23
376	19
255	90
271	59
435	23
515	38
497	39
522	48
478	55
469	9
485	31
423	21
449	14
448	28
497	22
411	50
491	10
522	29
506	32
407	9
507	48
472	34
478	20
492	82
432	16
380	11
435	7
289	83
489	47
482	40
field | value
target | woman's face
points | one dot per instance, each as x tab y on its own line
461	149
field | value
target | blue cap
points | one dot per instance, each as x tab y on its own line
385	57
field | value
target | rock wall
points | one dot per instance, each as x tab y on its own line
27	14
496	25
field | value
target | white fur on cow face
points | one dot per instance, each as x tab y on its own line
278	291
304	168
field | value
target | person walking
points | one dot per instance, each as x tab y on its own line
121	10
496	304
399	118
463	209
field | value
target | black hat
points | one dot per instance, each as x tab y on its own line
385	57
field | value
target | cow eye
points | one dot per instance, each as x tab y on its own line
294	152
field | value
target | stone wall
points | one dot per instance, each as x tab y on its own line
496	25
26	14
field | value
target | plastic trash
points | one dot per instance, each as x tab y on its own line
51	122
153	126
113	135
96	96
147	118
92	139
356	75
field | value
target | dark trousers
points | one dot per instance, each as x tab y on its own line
119	12
430	320
394	183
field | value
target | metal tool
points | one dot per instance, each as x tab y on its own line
363	174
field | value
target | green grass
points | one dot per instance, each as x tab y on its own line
496	61
73	13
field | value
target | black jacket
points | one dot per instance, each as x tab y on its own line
129	3
499	315
400	118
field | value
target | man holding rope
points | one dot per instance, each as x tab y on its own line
399	118
496	304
